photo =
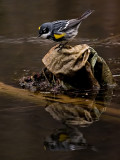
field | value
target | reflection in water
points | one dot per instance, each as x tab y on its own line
67	139
71	114
75	116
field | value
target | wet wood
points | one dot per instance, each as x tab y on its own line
47	99
39	98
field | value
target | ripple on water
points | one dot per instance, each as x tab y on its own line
107	42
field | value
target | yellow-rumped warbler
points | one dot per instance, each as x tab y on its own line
62	30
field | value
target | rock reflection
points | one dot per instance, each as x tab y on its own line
74	116
71	114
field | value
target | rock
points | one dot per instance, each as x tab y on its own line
66	61
101	70
78	67
70	69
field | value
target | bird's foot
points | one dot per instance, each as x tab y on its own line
61	46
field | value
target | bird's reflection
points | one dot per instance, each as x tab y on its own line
74	116
67	139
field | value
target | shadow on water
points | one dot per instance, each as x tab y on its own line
83	112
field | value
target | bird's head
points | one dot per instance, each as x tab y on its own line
45	30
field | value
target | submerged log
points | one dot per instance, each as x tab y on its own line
47	100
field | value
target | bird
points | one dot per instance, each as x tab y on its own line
62	31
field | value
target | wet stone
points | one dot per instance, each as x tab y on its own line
71	68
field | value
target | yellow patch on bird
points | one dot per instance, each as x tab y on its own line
45	148
39	27
58	36
63	137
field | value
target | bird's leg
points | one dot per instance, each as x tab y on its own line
61	46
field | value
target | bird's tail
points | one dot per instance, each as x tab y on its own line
85	15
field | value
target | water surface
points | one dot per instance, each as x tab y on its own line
26	128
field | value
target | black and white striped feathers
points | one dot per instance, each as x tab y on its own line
62	30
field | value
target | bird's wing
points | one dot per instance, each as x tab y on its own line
63	25
75	22
59	25
71	24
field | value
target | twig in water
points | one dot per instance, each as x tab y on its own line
45	76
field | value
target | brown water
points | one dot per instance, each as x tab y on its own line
25	127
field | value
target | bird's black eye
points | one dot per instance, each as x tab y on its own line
45	30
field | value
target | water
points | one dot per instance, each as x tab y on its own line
30	130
